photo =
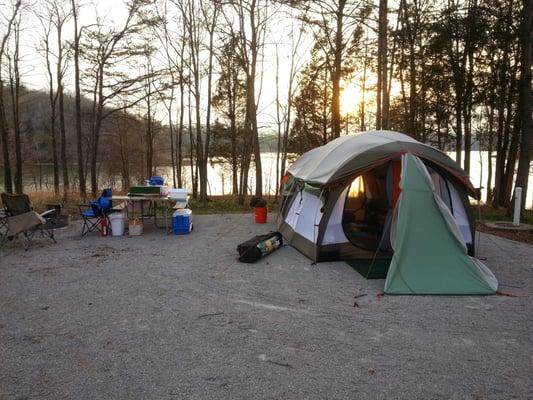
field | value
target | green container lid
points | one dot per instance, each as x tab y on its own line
145	190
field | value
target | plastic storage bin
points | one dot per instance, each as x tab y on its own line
178	194
182	222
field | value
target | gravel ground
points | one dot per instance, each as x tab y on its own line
160	317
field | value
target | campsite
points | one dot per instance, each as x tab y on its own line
266	199
179	314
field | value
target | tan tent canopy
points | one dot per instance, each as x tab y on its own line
351	154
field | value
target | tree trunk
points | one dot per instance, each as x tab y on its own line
381	64
195	69
62	129
257	160
508	176
234	162
489	156
278	123
149	124
506	133
97	124
505	95
8	183
412	92
77	102
468	100
124	152
211	29
337	72
179	156
15	105
191	148
362	126
524	99
53	100
172	136
458	127
149	143
324	118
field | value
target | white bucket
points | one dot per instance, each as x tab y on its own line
117	223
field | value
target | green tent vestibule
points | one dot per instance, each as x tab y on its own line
430	256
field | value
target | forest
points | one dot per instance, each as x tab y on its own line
117	90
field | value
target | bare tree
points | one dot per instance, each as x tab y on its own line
52	95
14	86
194	174
4	130
59	15
284	112
167	90
210	14
79	136
200	19
174	44
252	18
152	85
190	12
106	48
179	146
229	99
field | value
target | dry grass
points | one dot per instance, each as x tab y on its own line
489	213
41	199
228	204
215	204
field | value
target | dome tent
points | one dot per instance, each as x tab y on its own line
392	207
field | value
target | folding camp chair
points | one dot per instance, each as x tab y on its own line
21	219
93	213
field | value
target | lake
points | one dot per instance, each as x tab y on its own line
219	176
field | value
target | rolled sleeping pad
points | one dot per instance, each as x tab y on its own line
259	246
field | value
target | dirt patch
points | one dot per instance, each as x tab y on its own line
518	236
46	270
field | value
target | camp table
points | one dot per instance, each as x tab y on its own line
163	202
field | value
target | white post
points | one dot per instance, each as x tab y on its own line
517	205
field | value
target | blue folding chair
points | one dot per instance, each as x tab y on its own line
93	213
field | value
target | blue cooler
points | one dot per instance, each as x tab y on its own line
182	221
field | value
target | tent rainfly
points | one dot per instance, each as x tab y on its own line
391	207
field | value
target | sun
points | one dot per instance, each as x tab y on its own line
351	98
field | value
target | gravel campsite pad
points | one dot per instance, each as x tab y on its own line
157	317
